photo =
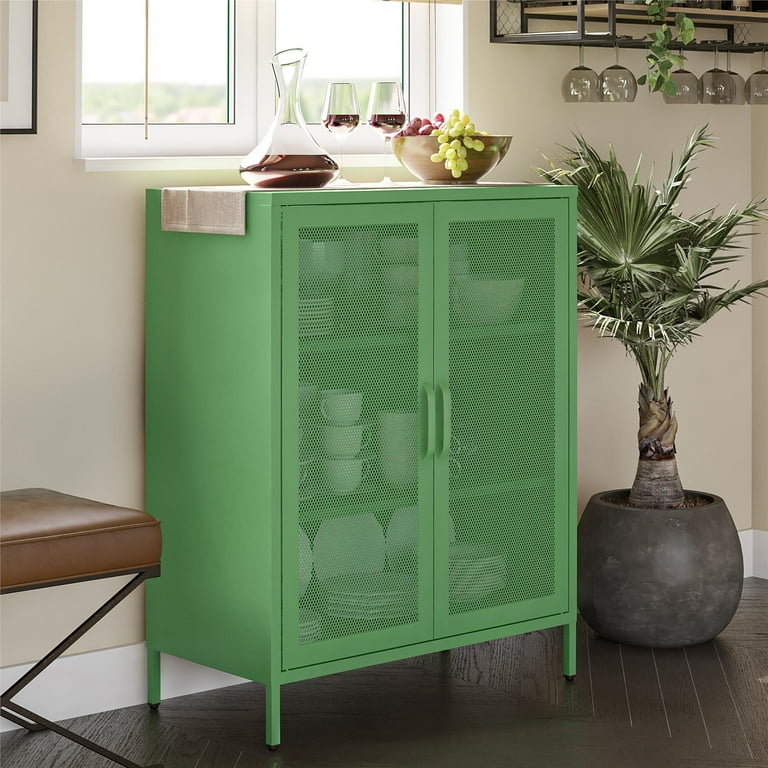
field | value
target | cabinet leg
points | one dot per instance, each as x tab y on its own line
569	650
153	678
273	715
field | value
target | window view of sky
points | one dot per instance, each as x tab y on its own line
344	39
187	41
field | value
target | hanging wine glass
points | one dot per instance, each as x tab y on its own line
716	86
386	113
617	83
756	89
738	80
341	115
580	83
687	87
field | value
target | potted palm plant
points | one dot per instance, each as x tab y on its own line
659	566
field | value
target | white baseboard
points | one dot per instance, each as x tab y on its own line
747	539
102	680
86	683
760	554
754	545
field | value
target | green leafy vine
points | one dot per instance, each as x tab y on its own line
659	56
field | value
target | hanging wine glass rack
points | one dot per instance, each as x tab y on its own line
511	23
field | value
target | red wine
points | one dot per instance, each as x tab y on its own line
285	171
341	124
387	123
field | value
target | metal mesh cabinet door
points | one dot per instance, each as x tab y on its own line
356	464
503	302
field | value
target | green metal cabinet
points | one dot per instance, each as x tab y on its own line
360	429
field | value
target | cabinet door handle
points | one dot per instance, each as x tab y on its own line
431	420
445	444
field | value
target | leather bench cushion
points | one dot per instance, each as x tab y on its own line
47	537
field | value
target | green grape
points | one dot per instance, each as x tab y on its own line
456	136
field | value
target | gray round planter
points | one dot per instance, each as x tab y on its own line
660	578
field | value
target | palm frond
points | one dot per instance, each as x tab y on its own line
711	304
645	272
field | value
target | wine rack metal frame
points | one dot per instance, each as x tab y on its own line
614	14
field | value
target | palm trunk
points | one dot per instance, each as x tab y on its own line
657	482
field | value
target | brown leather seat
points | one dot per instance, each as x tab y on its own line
48	537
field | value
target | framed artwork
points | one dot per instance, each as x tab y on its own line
18	66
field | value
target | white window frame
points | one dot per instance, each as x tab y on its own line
255	94
186	139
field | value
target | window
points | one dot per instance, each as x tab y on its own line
339	47
189	86
197	51
210	87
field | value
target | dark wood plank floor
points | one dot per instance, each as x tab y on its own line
497	705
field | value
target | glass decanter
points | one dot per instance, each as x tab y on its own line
288	156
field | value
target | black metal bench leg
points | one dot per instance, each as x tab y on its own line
72	638
76	737
34	722
8	715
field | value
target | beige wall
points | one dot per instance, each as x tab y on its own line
72	304
760	331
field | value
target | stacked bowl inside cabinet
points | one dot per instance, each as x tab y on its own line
315	316
474	571
309	622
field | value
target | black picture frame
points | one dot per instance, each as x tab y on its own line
18	72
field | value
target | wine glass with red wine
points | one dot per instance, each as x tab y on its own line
341	115
386	112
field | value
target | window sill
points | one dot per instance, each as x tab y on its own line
97	164
360	164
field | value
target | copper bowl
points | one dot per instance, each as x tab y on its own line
413	153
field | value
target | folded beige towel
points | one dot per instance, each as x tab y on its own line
215	210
